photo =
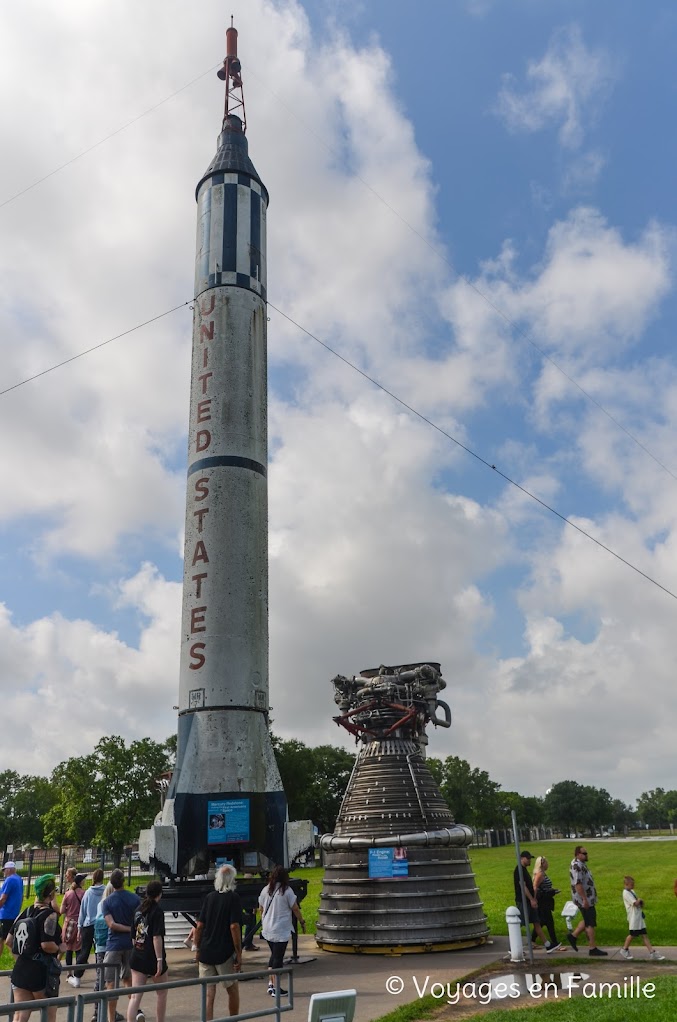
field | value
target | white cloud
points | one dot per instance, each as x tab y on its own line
566	87
377	552
66	682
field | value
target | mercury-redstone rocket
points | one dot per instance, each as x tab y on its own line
226	797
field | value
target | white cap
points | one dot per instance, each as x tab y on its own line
9	865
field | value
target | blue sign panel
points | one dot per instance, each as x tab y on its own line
380	862
216	822
388	862
237	820
228	822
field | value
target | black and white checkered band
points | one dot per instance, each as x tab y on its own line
231	233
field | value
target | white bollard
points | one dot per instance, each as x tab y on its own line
512	918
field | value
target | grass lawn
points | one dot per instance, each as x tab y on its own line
662	1007
653	864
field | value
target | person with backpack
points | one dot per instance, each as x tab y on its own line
35	939
148	961
101	932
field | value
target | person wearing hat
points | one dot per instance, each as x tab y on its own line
11	898
35	977
70	910
523	882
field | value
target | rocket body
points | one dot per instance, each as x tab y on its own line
226	795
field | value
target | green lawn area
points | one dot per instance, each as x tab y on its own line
653	864
662	1007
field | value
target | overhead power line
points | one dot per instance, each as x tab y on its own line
385	390
435	249
95	347
441	254
470	451
95	145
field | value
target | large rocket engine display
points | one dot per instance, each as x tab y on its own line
226	796
397	874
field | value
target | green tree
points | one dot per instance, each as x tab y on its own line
472	796
562	806
622	816
107	797
170	747
314	780
295	763
72	819
571	806
24	800
332	768
652	809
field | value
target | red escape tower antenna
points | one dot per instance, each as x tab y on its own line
230	74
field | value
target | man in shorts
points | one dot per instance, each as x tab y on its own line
118	911
218	938
584	894
523	881
11	899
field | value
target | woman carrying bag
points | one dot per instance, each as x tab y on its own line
278	905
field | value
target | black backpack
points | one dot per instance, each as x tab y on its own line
26	940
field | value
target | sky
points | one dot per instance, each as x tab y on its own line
473	203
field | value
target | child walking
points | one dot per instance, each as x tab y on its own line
636	923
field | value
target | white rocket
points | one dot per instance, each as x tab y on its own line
226	797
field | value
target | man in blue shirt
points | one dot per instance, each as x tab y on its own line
11	899
118	911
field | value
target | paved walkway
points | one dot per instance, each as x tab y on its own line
382	983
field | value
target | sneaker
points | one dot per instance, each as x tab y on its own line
119	1017
271	991
572	940
553	947
74	981
251	947
626	954
655	956
140	1017
596	952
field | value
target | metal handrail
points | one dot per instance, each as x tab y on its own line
76	1003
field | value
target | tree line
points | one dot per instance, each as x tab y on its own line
106	797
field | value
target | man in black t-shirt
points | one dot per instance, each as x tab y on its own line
218	938
521	876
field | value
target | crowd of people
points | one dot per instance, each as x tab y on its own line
128	937
539	894
128	934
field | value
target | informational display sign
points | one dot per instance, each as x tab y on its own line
385	863
228	821
216	822
400	862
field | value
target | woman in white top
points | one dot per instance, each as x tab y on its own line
278	904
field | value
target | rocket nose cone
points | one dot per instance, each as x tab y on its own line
232	155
